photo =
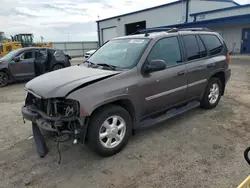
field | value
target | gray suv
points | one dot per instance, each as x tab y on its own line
129	83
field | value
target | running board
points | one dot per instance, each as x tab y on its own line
169	114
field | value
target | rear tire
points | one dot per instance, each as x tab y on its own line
212	94
4	79
57	67
109	130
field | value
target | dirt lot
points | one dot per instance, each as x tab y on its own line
198	149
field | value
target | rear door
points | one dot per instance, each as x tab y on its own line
200	50
162	89
196	60
24	68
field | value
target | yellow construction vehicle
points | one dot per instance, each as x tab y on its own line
20	41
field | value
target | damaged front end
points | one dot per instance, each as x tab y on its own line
60	116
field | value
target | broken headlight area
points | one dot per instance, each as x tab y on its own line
58	115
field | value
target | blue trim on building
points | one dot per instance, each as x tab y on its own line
221	9
139	11
213	22
227	1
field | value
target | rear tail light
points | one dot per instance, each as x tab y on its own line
228	58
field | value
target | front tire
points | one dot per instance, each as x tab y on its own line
212	93
4	79
109	130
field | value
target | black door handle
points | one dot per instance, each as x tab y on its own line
181	73
210	65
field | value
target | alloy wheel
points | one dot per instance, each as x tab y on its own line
214	93
112	132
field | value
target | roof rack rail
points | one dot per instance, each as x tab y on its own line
168	30
147	31
191	29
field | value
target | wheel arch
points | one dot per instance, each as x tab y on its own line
122	102
56	63
222	77
5	70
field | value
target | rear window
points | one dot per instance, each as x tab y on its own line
212	43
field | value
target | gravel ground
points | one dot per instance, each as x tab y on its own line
198	149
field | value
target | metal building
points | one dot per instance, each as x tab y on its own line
227	17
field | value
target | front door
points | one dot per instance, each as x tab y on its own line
24	66
162	89
41	58
245	44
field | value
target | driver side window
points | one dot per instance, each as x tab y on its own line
166	49
27	55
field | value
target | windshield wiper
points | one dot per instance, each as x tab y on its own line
112	67
89	63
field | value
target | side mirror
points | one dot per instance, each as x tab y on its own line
154	65
17	59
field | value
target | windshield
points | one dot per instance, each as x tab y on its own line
8	57
123	53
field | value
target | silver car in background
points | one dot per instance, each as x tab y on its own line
89	53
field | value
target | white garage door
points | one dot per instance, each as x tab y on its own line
109	33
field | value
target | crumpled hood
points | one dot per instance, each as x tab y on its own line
59	83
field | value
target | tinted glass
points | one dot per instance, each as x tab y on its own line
40	54
51	51
27	55
167	49
203	50
123	53
212	43
192	47
43	52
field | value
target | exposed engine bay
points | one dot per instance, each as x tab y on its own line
60	116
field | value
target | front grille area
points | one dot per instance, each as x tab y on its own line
57	107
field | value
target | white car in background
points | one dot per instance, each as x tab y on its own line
89	53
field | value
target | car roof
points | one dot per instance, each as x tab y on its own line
36	48
153	35
143	36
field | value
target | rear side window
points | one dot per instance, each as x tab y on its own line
40	54
166	49
203	51
212	43
192	47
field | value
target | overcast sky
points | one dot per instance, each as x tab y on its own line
63	20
